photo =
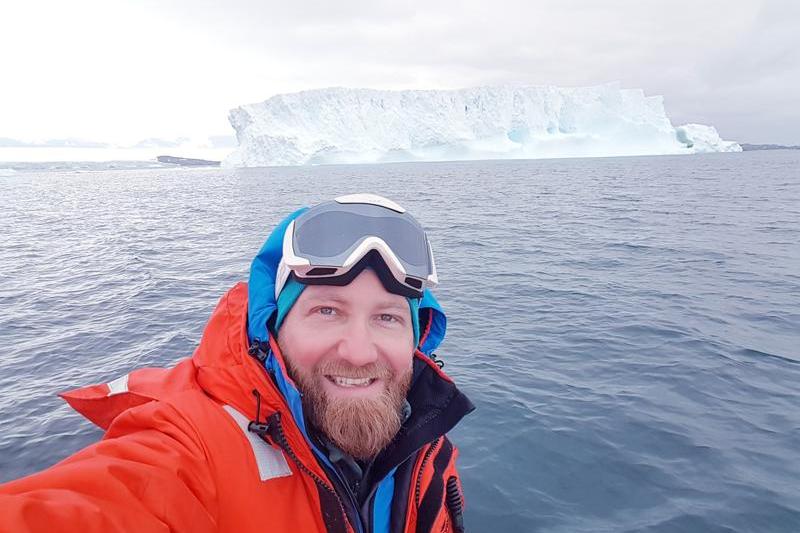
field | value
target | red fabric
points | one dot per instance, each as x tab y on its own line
172	459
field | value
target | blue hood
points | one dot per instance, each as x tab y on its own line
261	302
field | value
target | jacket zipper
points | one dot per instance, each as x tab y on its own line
259	350
364	525
279	437
428	453
455	503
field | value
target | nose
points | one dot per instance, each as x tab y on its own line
357	345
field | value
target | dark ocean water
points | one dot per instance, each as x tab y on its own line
629	328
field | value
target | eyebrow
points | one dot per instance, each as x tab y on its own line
326	299
385	304
393	305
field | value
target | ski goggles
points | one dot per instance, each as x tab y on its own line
332	242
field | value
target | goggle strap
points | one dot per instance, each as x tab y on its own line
371	259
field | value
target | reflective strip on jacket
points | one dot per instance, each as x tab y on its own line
181	453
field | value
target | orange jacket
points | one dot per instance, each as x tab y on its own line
182	452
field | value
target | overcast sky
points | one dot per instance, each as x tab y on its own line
124	70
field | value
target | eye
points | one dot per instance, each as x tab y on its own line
326	311
386	317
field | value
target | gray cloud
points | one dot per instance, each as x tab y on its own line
730	63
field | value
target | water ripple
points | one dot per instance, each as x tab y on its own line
628	327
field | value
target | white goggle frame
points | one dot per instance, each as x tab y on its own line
290	262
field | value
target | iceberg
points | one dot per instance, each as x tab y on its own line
340	125
703	139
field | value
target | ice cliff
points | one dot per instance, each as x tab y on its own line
364	125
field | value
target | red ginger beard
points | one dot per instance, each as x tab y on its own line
360	427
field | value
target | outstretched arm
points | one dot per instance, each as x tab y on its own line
148	474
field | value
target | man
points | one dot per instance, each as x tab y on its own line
313	402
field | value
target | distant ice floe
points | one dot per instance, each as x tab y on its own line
364	125
28	155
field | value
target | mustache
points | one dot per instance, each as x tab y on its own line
344	369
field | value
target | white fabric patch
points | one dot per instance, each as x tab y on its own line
271	462
118	386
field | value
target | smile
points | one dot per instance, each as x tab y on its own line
342	381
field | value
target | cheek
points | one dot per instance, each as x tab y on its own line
306	353
398	350
400	357
304	348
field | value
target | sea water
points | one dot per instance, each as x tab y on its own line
629	328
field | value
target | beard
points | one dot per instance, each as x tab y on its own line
360	427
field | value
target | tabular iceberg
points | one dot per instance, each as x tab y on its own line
364	125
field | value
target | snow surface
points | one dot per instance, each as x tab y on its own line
704	139
341	125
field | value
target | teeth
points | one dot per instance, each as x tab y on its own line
350	382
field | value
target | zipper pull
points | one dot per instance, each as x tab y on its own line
255	426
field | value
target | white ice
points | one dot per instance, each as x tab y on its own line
365	125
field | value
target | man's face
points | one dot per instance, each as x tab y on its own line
350	350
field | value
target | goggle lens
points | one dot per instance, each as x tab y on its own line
331	235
